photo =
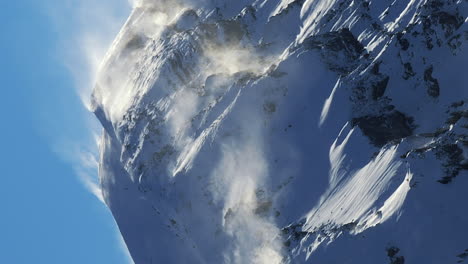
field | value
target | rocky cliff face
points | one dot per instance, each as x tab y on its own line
288	131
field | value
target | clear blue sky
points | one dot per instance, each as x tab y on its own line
47	215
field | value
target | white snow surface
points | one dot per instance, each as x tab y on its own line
288	131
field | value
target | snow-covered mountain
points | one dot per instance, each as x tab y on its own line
288	131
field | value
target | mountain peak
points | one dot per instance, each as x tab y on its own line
288	131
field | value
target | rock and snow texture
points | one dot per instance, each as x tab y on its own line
288	131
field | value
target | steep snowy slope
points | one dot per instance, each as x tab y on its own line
288	131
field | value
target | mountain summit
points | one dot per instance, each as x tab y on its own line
288	131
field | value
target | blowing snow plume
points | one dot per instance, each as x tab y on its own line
211	151
90	30
85	31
